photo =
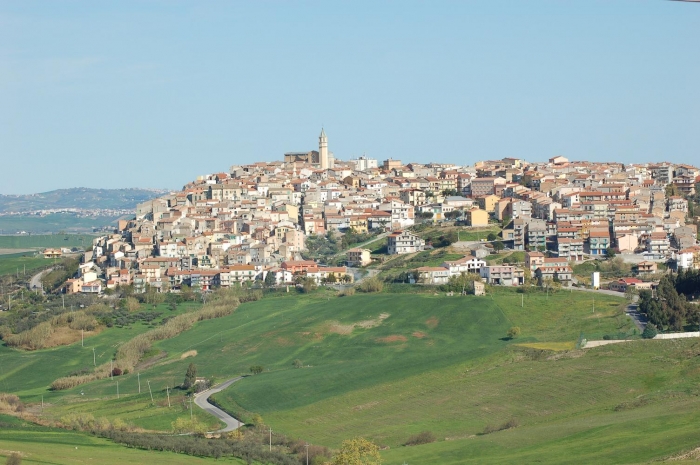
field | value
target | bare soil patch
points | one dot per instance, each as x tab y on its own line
432	322
345	329
189	353
419	334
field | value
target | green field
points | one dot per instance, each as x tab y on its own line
387	366
49	446
21	262
54	223
42	241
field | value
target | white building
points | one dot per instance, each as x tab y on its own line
401	242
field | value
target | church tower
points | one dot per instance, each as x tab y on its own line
323	150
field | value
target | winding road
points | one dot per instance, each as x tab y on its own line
202	401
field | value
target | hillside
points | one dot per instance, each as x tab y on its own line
80	198
387	366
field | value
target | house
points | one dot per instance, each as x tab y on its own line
533	260
477	217
560	274
358	257
598	242
502	275
622	284
432	275
464	265
479	288
401	242
645	267
52	253
658	244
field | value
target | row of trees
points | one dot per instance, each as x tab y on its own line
669	308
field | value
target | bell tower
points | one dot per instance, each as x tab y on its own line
323	150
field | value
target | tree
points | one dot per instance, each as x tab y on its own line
650	331
498	246
358	451
610	252
492	237
270	279
297	364
131	304
256	369
513	332
190	377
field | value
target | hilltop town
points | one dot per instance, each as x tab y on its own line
254	222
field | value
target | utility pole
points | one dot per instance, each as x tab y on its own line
270	439
138	377
307	453
42	403
82	338
149	389
522	300
191	407
117	389
167	392
63	299
94	361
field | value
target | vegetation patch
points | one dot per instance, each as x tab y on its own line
553	346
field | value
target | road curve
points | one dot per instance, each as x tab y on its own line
35	282
202	401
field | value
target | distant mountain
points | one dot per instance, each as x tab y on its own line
79	197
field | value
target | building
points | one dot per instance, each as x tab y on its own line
645	267
658	244
477	217
52	253
534	260
464	265
479	288
401	242
432	275
622	284
560	274
323	151
502	275
358	257
598	242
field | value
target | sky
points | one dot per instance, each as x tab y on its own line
154	93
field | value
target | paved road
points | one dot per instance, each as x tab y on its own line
35	282
202	401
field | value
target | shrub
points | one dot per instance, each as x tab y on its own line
373	284
344	293
297	363
117	372
513	332
14	459
256	369
650	331
425	437
512	423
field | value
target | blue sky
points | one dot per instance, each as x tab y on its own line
154	93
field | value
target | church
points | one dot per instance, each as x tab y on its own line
322	158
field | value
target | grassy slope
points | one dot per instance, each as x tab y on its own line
454	381
44	446
45	240
11	263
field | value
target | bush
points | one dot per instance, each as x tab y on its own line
512	423
256	369
513	332
425	437
117	372
373	284
650	331
14	459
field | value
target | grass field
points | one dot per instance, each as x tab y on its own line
41	241
387	366
19	262
54	223
49	446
